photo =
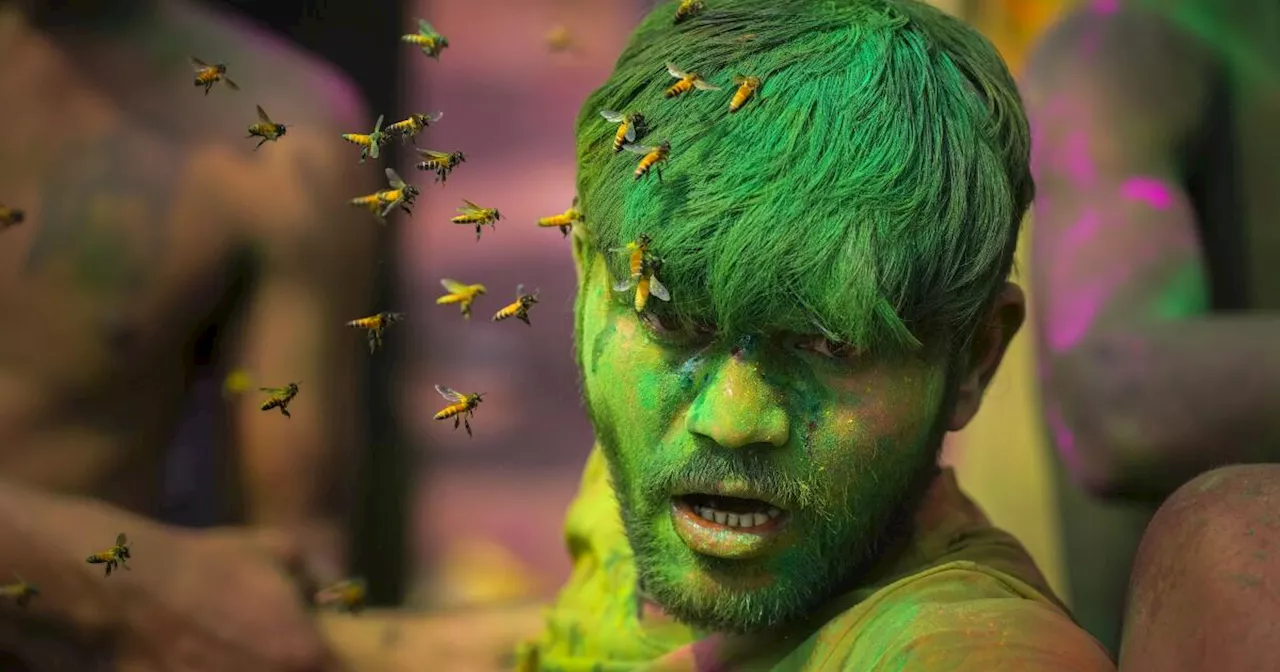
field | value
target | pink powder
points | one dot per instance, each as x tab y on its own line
1148	190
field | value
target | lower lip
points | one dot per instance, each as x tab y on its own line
706	537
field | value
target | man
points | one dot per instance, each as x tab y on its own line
1157	142
156	237
765	492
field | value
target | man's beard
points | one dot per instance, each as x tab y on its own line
845	529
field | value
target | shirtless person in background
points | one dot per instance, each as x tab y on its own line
152	223
1156	152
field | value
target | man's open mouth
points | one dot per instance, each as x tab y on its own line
731	511
724	526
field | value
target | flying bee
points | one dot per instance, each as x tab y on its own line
400	195
265	128
519	308
432	42
642	266
280	397
10	216
559	39
21	591
370	143
461	294
208	75
411	127
474	214
236	383
347	595
116	555
376	325
687	9
461	406
441	163
564	220
688	81
653	158
747	87
628	126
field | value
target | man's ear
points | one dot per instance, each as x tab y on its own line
986	351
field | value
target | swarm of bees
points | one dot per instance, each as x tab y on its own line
115	556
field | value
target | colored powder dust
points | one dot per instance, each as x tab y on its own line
1148	190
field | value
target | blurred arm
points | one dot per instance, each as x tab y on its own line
1144	387
314	265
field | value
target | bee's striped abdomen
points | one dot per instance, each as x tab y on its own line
679	87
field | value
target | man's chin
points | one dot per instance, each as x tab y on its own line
713	594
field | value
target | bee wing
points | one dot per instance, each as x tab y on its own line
434	155
433	118
425	28
262	116
638	149
450	394
453	286
230	84
197	63
520	290
739	80
469	208
377	126
631	132
271	390
624	285
394	180
702	85
671	70
611	116
122	540
658	289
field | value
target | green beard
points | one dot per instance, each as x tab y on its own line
840	529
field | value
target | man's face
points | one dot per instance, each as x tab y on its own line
755	474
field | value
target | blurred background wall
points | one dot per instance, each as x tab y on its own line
484	513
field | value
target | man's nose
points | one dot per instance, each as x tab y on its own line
737	408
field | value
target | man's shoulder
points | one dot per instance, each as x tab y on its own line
961	616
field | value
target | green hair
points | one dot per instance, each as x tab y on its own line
874	186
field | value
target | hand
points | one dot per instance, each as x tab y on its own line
214	601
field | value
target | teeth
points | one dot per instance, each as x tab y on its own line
742	520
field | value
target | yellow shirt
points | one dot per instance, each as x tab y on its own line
962	596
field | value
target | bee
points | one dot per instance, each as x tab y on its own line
440	162
347	595
461	406
628	126
370	143
461	294
474	214
280	397
208	75
376	325
432	43
564	220
559	39
10	216
382	202
116	555
519	308
643	267
747	87
265	128
653	158
236	383
687	9
20	591
411	127
688	81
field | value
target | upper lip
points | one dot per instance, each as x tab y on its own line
739	491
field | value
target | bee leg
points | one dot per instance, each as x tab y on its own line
110	564
658	170
468	425
456	420
260	143
285	412
478	230
525	319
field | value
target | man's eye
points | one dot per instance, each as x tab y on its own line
657	325
829	348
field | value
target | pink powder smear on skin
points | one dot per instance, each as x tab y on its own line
1062	437
1079	165
1148	190
1105	6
